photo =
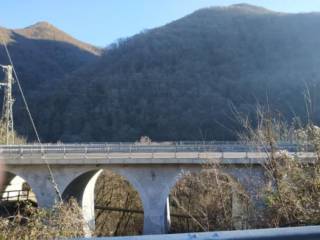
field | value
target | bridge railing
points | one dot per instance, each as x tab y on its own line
153	147
14	195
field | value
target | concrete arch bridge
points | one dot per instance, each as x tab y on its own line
152	169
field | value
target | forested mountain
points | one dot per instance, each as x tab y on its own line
179	81
42	55
42	52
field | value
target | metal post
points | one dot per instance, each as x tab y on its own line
8	100
130	153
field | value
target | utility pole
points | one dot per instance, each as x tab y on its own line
6	120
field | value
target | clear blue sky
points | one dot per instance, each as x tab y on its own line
101	22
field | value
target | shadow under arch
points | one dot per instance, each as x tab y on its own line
119	210
82	189
78	185
206	200
15	191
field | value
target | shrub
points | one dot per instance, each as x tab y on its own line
63	220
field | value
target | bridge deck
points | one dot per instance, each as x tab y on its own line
158	153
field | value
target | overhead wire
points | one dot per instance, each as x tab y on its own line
55	186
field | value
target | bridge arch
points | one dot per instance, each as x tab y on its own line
16	188
83	187
197	191
119	208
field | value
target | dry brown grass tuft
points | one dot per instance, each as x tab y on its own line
292	196
113	191
206	201
63	220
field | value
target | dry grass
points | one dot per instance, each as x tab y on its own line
293	194
63	220
114	191
207	201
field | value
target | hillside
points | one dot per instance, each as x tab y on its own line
46	31
42	55
42	52
179	81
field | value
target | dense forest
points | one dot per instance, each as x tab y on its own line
42	54
182	81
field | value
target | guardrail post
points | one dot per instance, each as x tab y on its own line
175	150
42	152
21	152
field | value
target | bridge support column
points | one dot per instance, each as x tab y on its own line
39	180
239	211
154	217
252	179
167	213
153	184
87	204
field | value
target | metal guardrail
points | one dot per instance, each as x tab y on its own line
148	148
292	233
150	153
